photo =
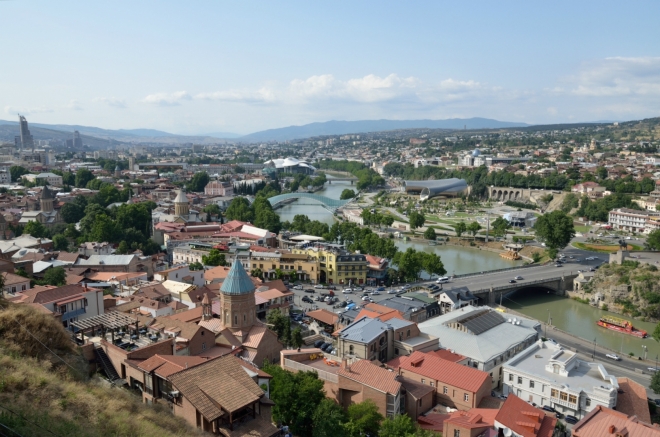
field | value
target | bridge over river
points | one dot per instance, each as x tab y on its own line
330	204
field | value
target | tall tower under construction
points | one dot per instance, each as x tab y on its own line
25	140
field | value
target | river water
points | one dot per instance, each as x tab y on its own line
457	260
580	319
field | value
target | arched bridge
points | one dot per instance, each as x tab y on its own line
556	285
326	202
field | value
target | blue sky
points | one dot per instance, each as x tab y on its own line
208	66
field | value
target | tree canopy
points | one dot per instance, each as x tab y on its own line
555	229
214	258
347	193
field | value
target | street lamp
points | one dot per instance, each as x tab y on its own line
593	356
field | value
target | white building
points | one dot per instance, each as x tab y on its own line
354	215
631	220
487	337
51	178
5	177
219	188
547	374
93	248
181	273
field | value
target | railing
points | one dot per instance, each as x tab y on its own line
71	314
327	376
517	285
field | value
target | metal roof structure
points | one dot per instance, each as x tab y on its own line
237	281
326	202
440	187
110	320
365	330
482	322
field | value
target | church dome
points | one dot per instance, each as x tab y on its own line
476	153
237	281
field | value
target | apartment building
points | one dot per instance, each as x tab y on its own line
337	266
631	220
547	374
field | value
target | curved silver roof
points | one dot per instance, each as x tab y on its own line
427	189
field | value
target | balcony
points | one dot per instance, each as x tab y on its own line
71	314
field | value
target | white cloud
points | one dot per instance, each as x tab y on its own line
370	88
75	105
263	95
165	99
26	111
112	101
618	77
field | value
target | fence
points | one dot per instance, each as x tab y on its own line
326	376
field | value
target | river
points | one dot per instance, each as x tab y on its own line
457	260
580	319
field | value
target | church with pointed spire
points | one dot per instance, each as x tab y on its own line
47	215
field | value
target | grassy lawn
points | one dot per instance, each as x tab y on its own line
582	229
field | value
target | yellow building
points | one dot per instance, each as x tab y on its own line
337	266
306	267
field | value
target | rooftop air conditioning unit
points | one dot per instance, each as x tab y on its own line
175	393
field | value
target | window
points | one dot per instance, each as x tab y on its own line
587	402
396	351
531	384
563	396
423	381
408	334
520	380
572	399
431	383
203	346
510	376
350	349
457	433
554	393
466	397
23	287
444	390
235	320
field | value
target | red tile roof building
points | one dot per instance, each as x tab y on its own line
523	419
604	422
364	380
461	387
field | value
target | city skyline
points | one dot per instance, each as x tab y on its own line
249	67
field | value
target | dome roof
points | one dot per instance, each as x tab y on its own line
181	198
237	281
476	152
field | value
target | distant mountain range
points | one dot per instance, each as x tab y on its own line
336	127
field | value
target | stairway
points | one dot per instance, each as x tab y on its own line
106	364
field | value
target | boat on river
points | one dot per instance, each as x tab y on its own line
511	255
620	325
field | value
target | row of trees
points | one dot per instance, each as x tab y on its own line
461	227
301	403
411	263
260	212
367	178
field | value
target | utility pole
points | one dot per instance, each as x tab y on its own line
487	224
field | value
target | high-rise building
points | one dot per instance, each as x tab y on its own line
26	139
77	141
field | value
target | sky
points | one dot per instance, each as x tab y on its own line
196	67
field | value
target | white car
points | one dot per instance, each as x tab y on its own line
319	286
518	278
298	287
614	357
347	291
392	291
365	298
442	280
375	292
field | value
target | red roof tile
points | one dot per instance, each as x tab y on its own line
369	374
524	419
448	372
600	421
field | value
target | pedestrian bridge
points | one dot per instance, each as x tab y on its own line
330	204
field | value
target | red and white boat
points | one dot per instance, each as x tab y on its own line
621	325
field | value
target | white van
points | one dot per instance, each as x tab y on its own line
442	280
614	357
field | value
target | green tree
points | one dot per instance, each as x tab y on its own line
363	418
347	193
257	273
296	396
60	242
653	240
55	276
300	222
429	233
555	229
264	215
473	228
196	266
83	177
278	322
329	419
416	220
123	248
460	228
408	264
656	333
36	229
198	182
16	172
214	258
239	209
400	425
296	337
212	209
105	229
499	227
72	213
655	383
431	263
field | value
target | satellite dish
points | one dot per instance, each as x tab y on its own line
507	432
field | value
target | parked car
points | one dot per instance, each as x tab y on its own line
652	369
380	289
324	346
347	291
614	357
392	291
375	292
571	419
309	290
329	349
657	402
297	287
365	298
442	280
558	265
559	415
318	343
307	299
548	408
331	287
318	286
